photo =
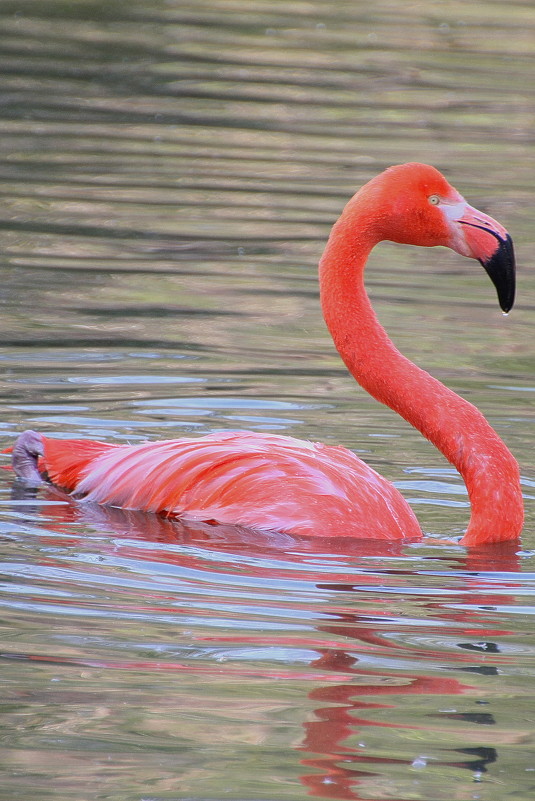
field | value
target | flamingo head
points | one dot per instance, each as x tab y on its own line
419	207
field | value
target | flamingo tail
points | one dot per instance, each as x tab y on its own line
62	461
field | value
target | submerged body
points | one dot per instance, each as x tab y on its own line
279	483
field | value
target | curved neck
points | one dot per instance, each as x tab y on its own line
453	425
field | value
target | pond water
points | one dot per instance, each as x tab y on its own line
169	172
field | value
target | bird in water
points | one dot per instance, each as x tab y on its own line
276	483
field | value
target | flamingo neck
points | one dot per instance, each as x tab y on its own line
452	424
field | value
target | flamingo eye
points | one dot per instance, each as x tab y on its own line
434	200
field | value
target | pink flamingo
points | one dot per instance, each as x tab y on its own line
270	482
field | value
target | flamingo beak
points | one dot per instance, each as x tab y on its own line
488	242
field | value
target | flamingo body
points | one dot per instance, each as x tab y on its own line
262	481
278	483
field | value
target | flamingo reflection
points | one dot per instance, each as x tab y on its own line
351	699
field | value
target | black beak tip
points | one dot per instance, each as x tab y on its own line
501	270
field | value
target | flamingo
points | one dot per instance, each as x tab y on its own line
269	482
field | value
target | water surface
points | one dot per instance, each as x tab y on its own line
169	172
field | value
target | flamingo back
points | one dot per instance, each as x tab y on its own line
262	481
